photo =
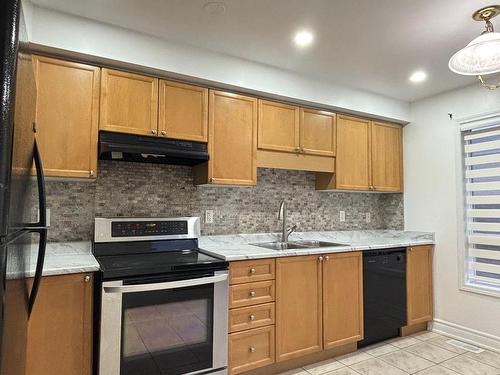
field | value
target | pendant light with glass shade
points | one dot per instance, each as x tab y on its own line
482	55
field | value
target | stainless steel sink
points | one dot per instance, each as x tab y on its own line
280	245
313	243
305	244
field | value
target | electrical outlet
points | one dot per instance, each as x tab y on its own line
209	216
342	215
368	217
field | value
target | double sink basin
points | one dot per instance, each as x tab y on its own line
303	244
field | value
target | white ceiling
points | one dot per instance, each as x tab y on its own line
367	44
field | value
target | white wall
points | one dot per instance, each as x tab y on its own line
431	205
85	36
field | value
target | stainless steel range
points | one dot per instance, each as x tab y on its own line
162	302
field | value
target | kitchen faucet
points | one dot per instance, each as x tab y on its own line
282	216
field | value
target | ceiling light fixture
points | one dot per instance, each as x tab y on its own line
303	38
482	55
418	76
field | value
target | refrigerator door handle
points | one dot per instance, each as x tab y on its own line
40	227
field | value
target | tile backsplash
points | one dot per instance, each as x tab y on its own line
132	189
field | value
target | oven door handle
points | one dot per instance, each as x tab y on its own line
166	285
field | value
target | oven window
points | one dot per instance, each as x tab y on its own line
167	332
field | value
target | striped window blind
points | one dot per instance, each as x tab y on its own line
482	207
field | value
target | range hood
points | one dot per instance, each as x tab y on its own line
143	149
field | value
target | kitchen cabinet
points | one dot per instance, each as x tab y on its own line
317	132
353	153
319	303
67	111
129	103
299	318
60	327
232	141
251	315
368	157
183	111
419	284
342	299
278	126
387	157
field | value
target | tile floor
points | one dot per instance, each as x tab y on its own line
424	353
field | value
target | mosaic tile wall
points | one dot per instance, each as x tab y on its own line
131	189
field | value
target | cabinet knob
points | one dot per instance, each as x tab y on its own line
252	270
252	317
252	293
86	278
252	349
92	172
163	132
327	257
320	258
297	149
153	131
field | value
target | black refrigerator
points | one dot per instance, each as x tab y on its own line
23	231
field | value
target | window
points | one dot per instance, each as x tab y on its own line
481	164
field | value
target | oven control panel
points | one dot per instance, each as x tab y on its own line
148	228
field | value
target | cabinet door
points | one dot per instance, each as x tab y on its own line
60	327
278	126
129	103
342	299
387	157
232	139
317	132
353	153
419	284
183	111
299	322
66	115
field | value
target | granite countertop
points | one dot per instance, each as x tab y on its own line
236	247
62	258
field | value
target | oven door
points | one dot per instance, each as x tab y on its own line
158	327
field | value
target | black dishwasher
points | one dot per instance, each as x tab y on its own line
384	294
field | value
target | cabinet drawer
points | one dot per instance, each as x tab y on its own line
251	349
251	270
251	294
251	317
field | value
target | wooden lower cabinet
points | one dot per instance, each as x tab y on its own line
60	327
342	299
419	284
251	349
299	321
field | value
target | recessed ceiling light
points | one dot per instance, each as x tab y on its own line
303	38
215	8
418	76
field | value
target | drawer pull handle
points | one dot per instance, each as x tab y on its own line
252	317
252	293
253	270
252	349
327	257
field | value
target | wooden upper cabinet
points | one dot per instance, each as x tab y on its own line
232	140
278	126
60	327
353	153
317	132
387	157
299	323
419	284
342	299
129	103
183	111
67	114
